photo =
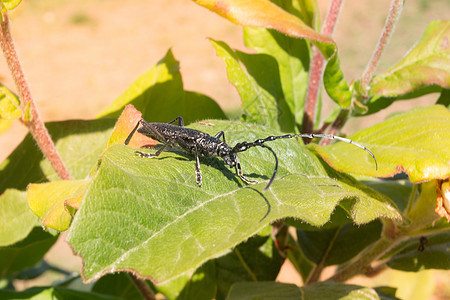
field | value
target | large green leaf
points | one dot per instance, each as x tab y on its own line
159	95
265	14
292	56
134	205
415	142
320	290
428	63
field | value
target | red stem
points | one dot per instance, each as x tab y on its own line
391	20
35	125
316	69
143	287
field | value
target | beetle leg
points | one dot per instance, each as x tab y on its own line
219	135
180	121
239	172
198	173
151	155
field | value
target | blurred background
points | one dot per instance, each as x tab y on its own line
80	55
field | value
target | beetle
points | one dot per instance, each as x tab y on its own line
199	143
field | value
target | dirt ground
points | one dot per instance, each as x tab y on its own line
80	55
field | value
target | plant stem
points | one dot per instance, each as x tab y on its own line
316	70
387	241
336	126
392	18
317	270
143	287
34	124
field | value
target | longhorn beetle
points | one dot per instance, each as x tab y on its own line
199	143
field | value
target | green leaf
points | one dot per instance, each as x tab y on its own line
265	14
9	104
134	205
397	190
427	63
444	99
259	100
265	290
435	254
11	4
159	95
254	260
337	245
26	253
201	284
79	143
415	142
58	293
16	219
292	57
198	107
320	290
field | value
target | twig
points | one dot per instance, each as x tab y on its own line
336	126
314	276
34	124
361	263
143	287
389	26
316	69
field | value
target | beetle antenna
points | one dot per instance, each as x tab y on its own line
132	133
244	146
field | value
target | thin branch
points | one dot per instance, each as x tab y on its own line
317	270
361	263
34	123
316	70
336	126
392	18
143	287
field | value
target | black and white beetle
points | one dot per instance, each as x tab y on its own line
199	143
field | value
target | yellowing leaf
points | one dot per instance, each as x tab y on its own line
11	4
416	142
47	201
428	63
